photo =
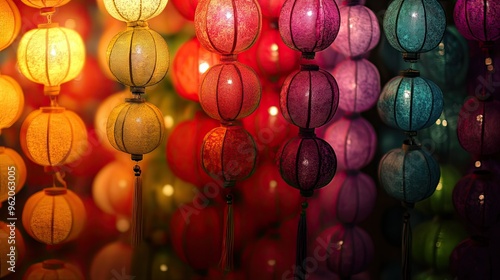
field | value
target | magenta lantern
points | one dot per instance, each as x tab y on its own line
478	19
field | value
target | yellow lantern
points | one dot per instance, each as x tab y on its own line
10	23
138	57
11	101
135	10
53	136
12	173
41	4
51	55
54	216
53	270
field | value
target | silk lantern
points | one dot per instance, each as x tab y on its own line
137	10
13	174
54	216
477	20
413	26
10	24
11	100
7	234
410	102
53	270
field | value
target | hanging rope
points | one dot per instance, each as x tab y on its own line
226	260
137	209
300	271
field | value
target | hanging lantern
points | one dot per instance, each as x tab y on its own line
6	252
13	173
473	259
54	216
136	10
478	20
10	24
138	56
51	55
42	4
186	8
113	257
53	136
53	270
102	113
410	102
11	101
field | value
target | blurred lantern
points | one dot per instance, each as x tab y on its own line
53	270
137	10
190	64
53	136
328	58
477	20
101	116
113	259
359	31
473	259
187	8
11	100
41	4
7	234
54	216
271	8
109	32
359	84
408	37
354	141
13	173
10	24
434	241
410	102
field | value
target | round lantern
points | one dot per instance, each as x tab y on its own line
309	98
138	56
308	26
473	259
13	173
478	20
11	101
477	131
52	136
54	216
307	163
354	141
53	270
229	154
113	257
228	26
136	10
102	113
7	255
441	201
190	64
10	24
359	31
51	55
403	32
41	4
186	8
409	174
410	102
230	91
135	127
359	84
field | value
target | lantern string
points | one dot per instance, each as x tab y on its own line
226	260
301	250
137	208
59	177
406	242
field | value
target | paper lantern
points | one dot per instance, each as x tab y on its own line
41	4
102	113
472	258
308	26
228	26
186	8
51	55
413	26
135	127
359	84
53	136
228	154
11	100
136	10
477	20
53	270
309	98
359	31
115	256
410	102
441	203
138	56
307	163
271	8
354	141
10	24
13	173
409	174
10	258
476	130
230	91
54	216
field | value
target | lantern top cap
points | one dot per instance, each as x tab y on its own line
55	191
52	109
48	25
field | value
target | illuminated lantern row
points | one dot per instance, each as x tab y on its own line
228	92
410	103
138	58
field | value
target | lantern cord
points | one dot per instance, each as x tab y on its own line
300	271
137	209
59	177
226	260
406	250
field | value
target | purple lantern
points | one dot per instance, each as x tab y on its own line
472	259
478	19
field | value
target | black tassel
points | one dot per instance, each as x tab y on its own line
301	254
137	209
226	260
406	245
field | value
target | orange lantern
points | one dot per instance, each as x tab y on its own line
54	215
114	258
10	23
10	257
12	173
40	4
53	270
11	101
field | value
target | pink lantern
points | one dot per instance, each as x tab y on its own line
478	19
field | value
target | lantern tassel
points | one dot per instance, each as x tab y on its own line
406	242
300	271
137	209
226	260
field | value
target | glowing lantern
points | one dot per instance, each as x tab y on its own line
13	172
6	254
10	23
11	101
115	256
136	10
101	116
40	4
53	270
478	20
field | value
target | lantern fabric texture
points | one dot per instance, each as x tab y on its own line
478	20
54	216
230	91
309	98
11	101
53	136
308	26
40	4
7	231
414	26
138	56
135	127
228	26
410	102
13	174
136	10
53	270
10	23
51	55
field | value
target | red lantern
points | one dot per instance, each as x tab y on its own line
187	8
115	257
